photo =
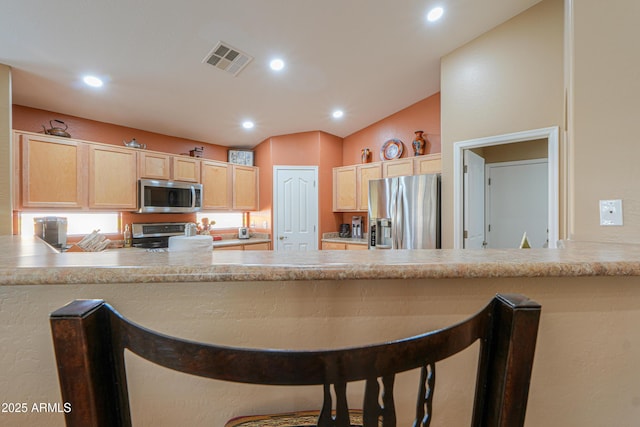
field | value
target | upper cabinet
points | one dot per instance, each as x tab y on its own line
216	185
64	173
344	188
351	186
112	178
52	172
364	174
185	168
165	166
154	165
400	167
351	183
431	163
245	188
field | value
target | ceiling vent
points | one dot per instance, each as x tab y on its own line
227	58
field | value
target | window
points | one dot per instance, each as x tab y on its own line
77	223
223	220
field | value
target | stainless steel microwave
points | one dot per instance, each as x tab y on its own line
158	196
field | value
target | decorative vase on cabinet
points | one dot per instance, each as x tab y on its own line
419	144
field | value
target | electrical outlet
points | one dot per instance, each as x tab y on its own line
610	212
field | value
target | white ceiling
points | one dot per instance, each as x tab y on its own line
370	58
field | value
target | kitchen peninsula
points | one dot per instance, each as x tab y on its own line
590	295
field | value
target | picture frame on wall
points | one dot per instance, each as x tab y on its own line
240	157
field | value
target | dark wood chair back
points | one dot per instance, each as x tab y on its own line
90	338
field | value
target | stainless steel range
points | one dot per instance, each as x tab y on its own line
156	235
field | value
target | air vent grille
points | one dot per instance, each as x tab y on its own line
227	58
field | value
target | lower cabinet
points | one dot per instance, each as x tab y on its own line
266	246
334	246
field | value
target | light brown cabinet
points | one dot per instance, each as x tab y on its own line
165	166
430	163
154	165
344	189
53	175
400	167
216	184
351	186
351	183
266	246
112	178
335	246
185	168
245	188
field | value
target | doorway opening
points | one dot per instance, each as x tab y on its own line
460	181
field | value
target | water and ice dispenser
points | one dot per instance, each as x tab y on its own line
380	233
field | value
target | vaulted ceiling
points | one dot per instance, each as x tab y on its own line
369	58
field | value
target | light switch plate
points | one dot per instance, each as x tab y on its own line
610	212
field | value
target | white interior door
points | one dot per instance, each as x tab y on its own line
295	201
474	198
517	202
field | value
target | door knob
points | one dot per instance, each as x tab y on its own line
282	237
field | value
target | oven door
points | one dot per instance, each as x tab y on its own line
168	196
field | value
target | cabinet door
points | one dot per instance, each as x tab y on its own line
186	169
112	178
333	246
229	248
154	165
430	163
216	185
366	173
52	172
355	247
401	167
245	188
257	247
344	188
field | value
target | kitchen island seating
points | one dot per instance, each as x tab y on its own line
90	337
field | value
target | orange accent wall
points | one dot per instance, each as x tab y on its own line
314	148
32	119
423	115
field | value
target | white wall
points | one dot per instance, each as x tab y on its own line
605	110
6	171
508	80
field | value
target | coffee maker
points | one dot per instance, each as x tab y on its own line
356	227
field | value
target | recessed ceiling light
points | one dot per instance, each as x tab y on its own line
277	64
92	81
337	114
248	124
435	14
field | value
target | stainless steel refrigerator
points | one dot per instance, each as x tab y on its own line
404	212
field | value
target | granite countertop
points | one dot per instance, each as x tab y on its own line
25	261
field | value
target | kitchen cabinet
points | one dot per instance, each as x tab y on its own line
53	172
265	246
216	180
351	186
344	188
245	188
154	165
430	163
185	168
165	166
364	174
112	178
400	167
333	246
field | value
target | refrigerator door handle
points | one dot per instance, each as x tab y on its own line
397	230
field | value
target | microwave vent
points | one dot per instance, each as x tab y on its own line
227	58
